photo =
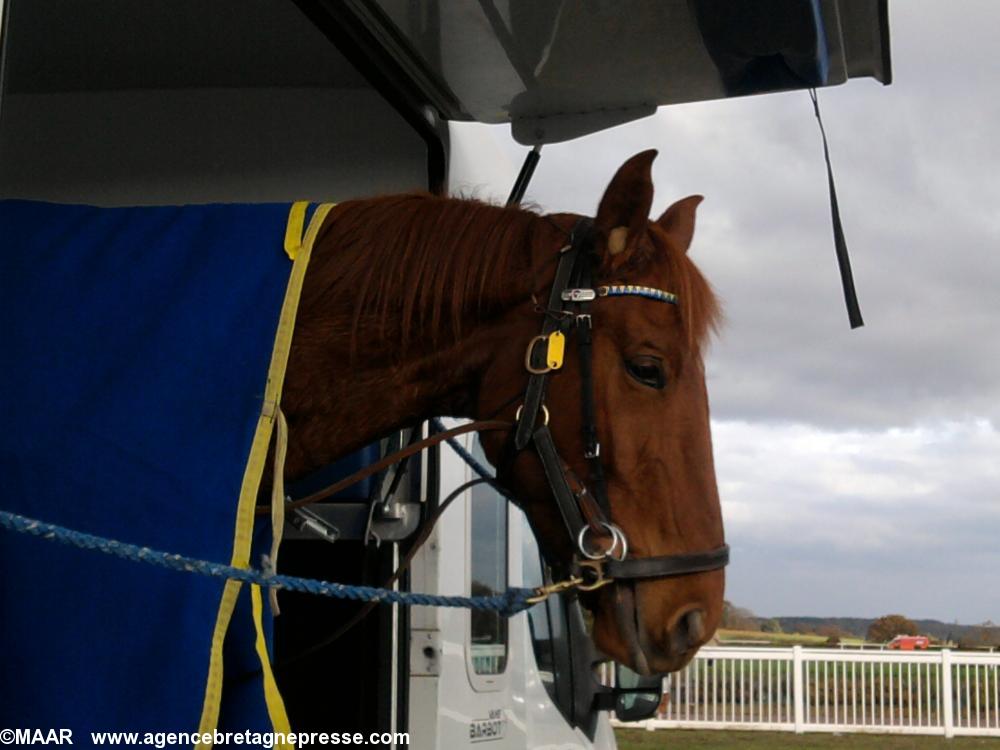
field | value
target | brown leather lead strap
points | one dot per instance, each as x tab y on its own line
589	506
375	468
566	501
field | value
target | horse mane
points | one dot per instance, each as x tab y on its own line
430	262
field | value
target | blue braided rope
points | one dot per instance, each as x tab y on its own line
511	602
634	290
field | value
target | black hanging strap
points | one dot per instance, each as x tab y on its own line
524	176
843	259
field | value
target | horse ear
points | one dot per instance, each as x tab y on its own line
678	220
624	210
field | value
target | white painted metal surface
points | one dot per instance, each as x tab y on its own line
451	706
830	690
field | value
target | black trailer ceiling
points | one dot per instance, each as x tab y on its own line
114	45
118	102
88	81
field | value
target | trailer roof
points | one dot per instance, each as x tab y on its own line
552	69
557	69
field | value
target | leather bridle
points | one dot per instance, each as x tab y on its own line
600	546
601	553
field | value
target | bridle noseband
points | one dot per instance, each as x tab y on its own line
584	507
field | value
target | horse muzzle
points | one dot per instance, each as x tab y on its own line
656	653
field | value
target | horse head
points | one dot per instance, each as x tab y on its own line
430	302
650	411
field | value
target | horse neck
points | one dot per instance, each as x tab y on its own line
372	355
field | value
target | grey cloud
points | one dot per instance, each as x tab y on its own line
862	523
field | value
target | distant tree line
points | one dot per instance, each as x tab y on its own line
980	636
875	630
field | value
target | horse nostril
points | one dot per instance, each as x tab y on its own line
689	630
695	625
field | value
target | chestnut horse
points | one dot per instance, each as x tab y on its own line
417	306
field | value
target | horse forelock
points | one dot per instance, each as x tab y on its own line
699	306
664	266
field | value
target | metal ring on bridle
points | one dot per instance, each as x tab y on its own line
545	414
527	357
618	542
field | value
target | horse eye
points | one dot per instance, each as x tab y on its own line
648	371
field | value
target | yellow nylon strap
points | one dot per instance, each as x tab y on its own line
275	705
243	532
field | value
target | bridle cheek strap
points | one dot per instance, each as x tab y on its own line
565	498
534	396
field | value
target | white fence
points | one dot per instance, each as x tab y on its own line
819	690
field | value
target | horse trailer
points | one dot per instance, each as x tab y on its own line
176	102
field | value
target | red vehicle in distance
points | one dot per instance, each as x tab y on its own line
909	642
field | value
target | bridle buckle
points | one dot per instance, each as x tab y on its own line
578	295
555	352
545	413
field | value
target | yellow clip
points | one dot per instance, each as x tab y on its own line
591	581
557	350
596	576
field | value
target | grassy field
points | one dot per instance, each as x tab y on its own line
687	739
778	639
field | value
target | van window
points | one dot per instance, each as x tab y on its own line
488	553
539	622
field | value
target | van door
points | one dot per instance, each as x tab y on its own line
476	677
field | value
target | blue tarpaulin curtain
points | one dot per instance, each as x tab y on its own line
137	346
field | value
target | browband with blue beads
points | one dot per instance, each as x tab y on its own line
634	290
619	290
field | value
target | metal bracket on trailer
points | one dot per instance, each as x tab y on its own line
350	522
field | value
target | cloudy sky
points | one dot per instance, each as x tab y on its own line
859	470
